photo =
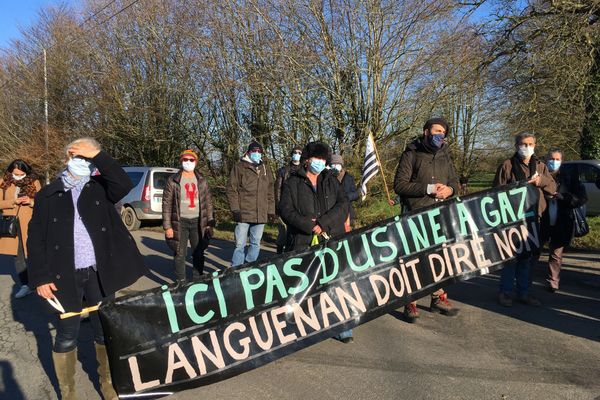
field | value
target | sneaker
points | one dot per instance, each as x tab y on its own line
552	289
24	291
530	301
411	312
442	305
504	300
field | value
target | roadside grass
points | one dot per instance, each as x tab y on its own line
591	241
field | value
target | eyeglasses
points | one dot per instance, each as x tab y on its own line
188	159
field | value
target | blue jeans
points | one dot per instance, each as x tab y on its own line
242	232
345	334
519	271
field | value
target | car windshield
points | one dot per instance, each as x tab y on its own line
159	179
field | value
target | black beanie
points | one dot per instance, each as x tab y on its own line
317	149
436	121
253	146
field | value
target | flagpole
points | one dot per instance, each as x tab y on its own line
382	171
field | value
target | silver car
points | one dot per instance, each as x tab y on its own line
144	201
589	175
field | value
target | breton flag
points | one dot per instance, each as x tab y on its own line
371	167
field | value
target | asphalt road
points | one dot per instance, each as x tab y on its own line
486	352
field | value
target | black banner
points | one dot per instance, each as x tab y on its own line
173	338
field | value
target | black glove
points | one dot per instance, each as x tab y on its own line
272	218
209	233
237	216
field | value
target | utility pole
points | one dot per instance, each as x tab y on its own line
46	114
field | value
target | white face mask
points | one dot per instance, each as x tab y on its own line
18	177
525	151
188	166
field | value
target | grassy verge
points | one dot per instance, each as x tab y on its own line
591	241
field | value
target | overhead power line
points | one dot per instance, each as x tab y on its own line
80	25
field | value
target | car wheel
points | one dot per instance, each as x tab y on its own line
130	220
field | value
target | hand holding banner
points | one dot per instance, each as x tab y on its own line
177	337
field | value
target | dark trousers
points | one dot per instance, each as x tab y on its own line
67	330
188	231
21	263
281	237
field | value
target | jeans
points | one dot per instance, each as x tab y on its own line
21	263
188	230
67	330
520	271
243	231
345	334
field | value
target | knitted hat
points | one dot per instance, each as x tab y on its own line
188	153
318	150
254	146
337	159
436	121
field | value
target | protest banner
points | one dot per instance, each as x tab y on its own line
173	338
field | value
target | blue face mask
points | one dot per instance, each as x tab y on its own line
256	157
436	141
295	157
80	167
317	166
553	165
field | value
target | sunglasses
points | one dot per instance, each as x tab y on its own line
188	159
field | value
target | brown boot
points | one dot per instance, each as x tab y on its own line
441	304
411	312
64	365
106	386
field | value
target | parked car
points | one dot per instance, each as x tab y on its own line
589	175
144	201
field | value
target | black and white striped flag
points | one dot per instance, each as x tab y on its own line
371	167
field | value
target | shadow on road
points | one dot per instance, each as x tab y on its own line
574	310
11	389
217	257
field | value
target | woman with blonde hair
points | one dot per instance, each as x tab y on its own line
80	248
18	188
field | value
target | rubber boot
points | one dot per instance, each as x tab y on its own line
64	365
106	385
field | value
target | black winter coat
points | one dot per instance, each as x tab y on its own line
349	186
418	167
51	244
571	194
300	204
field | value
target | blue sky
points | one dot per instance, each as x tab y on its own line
21	13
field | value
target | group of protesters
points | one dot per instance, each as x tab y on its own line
71	244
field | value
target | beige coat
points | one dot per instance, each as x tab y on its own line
7	205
